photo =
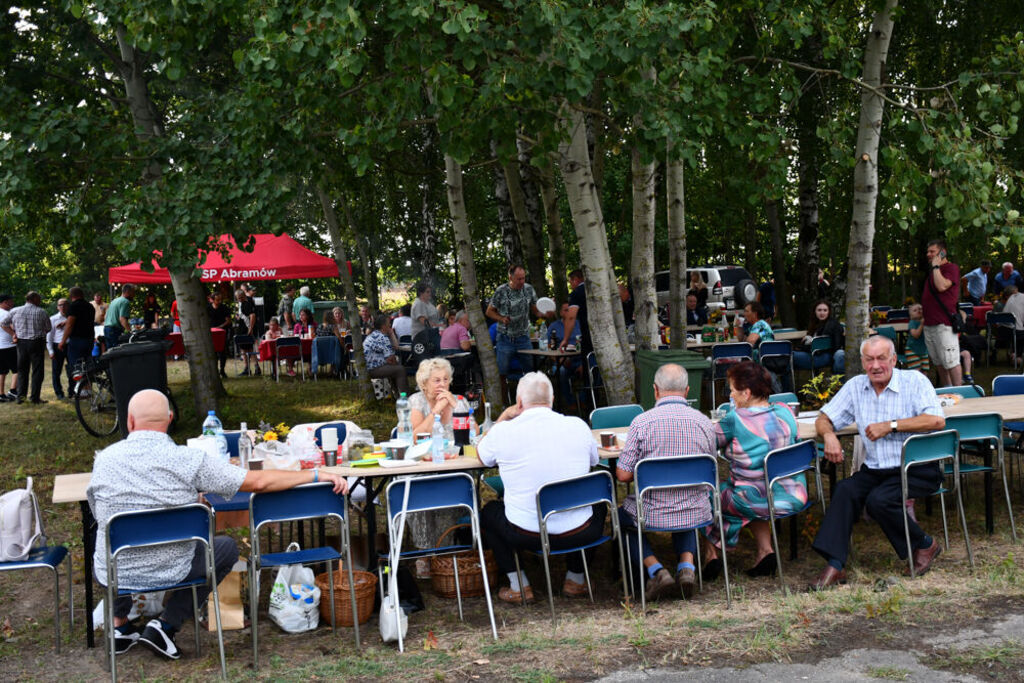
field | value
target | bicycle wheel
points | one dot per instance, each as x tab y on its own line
95	405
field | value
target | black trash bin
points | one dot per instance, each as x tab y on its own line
134	367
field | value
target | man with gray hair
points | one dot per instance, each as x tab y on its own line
116	321
28	326
302	301
888	405
455	338
532	445
671	428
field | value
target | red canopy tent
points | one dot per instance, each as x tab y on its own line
273	258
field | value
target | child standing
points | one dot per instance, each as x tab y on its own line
917	351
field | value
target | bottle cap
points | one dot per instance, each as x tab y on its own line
211	413
402	395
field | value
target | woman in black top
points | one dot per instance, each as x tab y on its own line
150	310
823	324
220	316
698	289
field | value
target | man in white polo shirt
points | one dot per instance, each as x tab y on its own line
532	445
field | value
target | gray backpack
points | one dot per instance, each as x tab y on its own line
20	525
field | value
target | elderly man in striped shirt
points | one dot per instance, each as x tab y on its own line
888	406
671	428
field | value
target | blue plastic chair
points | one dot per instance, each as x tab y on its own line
239	501
897	315
342	432
564	495
311	501
995	320
288	347
965	391
881	309
921	449
984	430
681	472
786	397
783	463
434	492
819	346
777	349
245	344
611	417
154	528
44	556
1011	385
723	356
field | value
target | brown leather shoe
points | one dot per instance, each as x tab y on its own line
686	580
923	559
506	594
828	578
659	584
571	589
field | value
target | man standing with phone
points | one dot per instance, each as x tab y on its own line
939	301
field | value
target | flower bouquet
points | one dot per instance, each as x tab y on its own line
820	390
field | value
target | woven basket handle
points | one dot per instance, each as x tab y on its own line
448	531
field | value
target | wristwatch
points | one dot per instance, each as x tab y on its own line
936	267
893	426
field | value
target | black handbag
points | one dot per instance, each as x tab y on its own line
955	319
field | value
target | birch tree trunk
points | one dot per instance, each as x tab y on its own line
613	355
195	321
506	218
532	251
369	270
348	288
783	300
428	222
556	244
641	269
865	186
675	192
809	111
464	252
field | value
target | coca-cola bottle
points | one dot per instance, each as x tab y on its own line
460	421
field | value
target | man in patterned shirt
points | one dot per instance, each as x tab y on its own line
888	405
511	306
28	326
148	471
671	428
379	352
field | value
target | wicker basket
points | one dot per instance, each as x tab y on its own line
471	584
366	586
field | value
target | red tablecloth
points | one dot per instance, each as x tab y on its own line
220	339
979	314
268	347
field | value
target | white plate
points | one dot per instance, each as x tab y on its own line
396	463
545	304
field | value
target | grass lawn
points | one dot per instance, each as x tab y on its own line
879	607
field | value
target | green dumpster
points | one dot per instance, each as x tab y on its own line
648	363
320	307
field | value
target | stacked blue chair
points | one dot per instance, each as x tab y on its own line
1011	385
723	356
985	430
311	501
154	528
683	472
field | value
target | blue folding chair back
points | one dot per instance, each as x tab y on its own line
160	527
784	397
986	431
43	556
1009	385
934	447
434	492
311	501
288	348
820	346
783	463
897	315
340	426
723	356
594	488
965	391
680	472
611	417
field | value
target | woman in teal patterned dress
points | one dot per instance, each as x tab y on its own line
751	431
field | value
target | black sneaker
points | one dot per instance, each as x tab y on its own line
160	641
11	395
968	379
125	637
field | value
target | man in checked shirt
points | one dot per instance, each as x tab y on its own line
671	428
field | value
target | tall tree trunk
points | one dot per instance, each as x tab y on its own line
428	222
613	355
506	219
195	321
783	300
641	269
865	186
347	286
750	240
675	192
556	244
369	268
532	251
808	114
464	252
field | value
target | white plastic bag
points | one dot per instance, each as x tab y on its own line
277	456
394	622
295	599
143	605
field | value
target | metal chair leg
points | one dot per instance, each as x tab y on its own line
56	604
195	620
945	523
458	590
963	524
108	630
547	575
254	594
216	614
586	573
330	584
522	581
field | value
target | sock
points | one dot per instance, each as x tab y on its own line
926	542
653	569
513	580
684	565
836	564
575	577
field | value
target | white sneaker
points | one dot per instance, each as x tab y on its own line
159	640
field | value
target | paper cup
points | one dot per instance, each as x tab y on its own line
608	439
329	439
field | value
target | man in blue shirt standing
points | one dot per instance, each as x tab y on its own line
888	405
976	282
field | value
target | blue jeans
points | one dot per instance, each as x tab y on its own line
111	333
78	350
802	360
506	348
839	362
682	541
971	299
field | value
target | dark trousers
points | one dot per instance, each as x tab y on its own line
56	370
78	349
506	539
682	541
879	492
394	372
178	607
30	356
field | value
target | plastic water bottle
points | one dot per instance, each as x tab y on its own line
244	445
487	418
404	419
437	441
213	427
542	332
